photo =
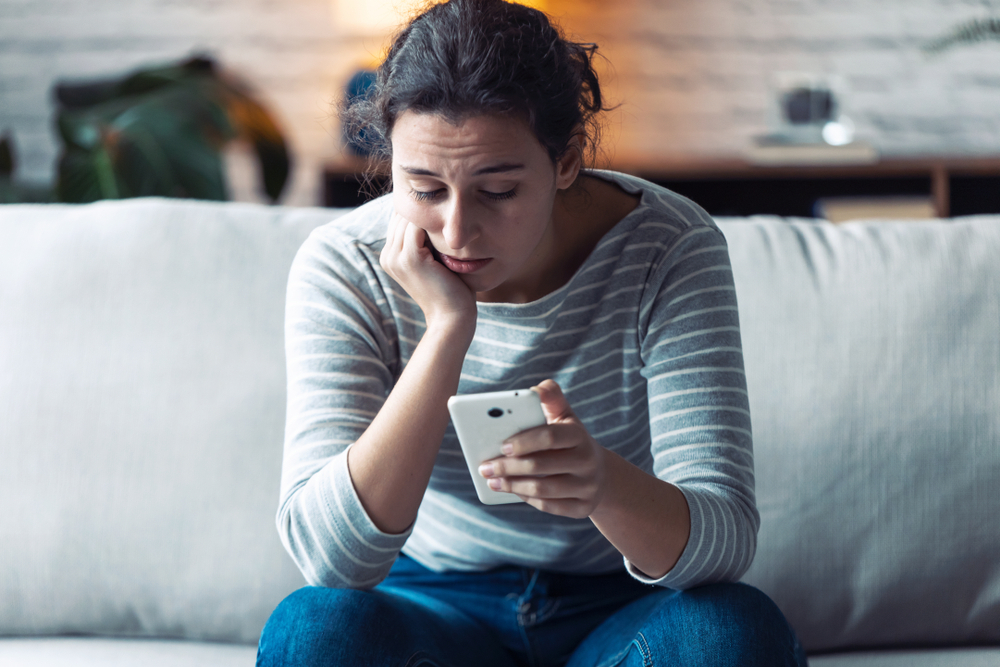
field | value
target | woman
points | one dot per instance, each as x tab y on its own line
498	263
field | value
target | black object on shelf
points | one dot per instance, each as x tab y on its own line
974	195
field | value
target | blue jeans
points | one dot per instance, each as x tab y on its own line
520	617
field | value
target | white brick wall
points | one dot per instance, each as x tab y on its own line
692	75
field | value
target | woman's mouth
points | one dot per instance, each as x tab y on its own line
464	265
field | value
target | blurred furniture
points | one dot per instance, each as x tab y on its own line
956	186
142	406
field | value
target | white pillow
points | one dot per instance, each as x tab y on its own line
873	362
142	390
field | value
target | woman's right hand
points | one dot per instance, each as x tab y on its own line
440	293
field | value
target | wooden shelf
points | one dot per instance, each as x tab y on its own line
958	185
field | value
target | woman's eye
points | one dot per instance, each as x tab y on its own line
420	195
500	196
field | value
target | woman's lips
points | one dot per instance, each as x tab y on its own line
464	265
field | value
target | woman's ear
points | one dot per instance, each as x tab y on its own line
569	165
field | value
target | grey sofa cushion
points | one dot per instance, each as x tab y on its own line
98	652
956	657
141	415
873	363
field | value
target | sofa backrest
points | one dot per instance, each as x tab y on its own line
873	362
141	417
142	406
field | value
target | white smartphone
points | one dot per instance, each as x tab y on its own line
483	422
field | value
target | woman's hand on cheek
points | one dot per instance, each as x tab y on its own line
557	468
408	258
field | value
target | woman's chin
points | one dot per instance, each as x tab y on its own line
492	288
478	284
482	285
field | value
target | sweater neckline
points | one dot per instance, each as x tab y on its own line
549	303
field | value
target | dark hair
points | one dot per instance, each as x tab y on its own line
469	57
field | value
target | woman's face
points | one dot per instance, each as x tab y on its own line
483	191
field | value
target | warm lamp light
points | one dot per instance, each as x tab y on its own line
370	18
375	18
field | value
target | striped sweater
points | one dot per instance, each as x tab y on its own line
644	341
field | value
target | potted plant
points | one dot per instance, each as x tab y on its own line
160	132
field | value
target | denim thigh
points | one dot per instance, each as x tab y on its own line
718	625
329	627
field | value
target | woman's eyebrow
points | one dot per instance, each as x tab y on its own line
499	169
494	169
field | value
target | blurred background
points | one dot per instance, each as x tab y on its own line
697	81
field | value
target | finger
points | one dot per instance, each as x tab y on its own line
390	249
414	239
542	438
554	403
396	223
550	487
550	462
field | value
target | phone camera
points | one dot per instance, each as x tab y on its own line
495	412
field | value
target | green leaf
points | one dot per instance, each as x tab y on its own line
82	178
142	164
200	171
79	130
176	134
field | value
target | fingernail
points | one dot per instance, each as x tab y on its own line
494	484
507	449
486	470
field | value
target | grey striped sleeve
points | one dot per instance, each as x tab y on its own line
698	407
340	354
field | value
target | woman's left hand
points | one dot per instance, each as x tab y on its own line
558	468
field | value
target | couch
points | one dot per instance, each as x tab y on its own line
142	408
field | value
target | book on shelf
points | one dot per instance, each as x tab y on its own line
771	152
887	207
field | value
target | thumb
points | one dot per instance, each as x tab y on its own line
554	403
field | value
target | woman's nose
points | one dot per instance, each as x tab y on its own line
459	227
